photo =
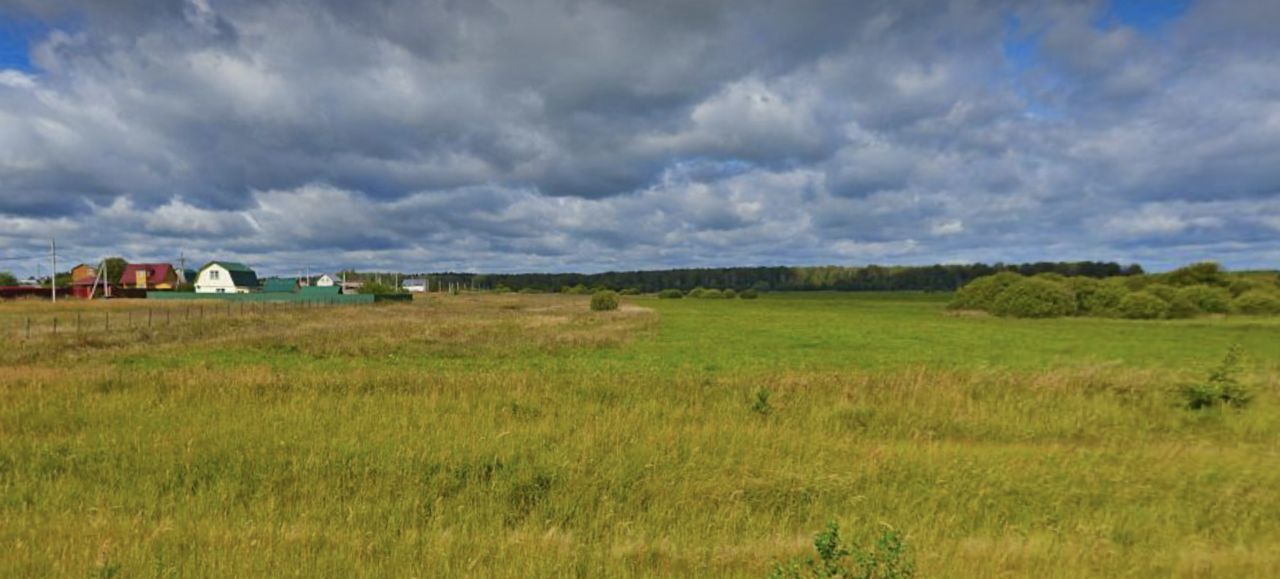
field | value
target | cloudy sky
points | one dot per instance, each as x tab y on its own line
588	135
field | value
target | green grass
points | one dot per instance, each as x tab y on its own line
526	436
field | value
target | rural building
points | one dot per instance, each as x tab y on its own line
226	277
149	276
83	272
83	279
414	285
278	285
328	280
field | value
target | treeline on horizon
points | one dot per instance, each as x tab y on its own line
932	278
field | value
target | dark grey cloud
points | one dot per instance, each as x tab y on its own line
597	134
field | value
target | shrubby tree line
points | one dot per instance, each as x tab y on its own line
1197	289
935	278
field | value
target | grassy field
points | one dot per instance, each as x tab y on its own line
518	436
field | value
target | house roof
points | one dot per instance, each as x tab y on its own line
229	266
156	273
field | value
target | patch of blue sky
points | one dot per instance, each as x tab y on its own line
1021	49
703	168
16	36
1148	16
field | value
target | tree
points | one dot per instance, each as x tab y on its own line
113	268
7	278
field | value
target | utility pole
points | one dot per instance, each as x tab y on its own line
53	276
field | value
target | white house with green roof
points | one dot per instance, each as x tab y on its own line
226	277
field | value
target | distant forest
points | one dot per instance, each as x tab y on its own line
840	278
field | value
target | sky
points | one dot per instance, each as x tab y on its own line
594	135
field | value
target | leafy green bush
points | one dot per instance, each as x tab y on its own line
1051	276
1034	298
1165	292
749	294
696	292
1143	306
670	294
1256	303
379	289
1221	387
730	293
604	301
1243	285
629	292
1207	299
1181	307
711	294
1203	273
889	559
1095	297
981	293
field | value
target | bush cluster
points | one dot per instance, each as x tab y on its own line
710	294
604	301
1197	289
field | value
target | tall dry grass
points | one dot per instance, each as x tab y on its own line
519	436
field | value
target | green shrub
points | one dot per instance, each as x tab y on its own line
1181	307
530	290
1256	303
889	559
577	290
1143	306
696	292
379	289
1221	387
1034	298
1243	285
670	294
1207	299
604	301
1104	300
749	294
711	294
730	294
629	292
1203	273
1165	292
981	293
1052	276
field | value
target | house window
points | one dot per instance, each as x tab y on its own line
213	275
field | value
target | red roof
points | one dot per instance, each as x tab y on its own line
157	273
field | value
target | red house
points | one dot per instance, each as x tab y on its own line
149	276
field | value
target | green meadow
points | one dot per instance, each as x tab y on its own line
526	436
